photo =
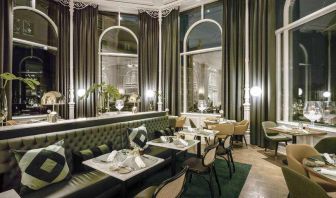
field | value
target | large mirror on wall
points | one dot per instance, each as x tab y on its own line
312	73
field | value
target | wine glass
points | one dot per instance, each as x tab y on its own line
329	112
202	105
119	104
313	111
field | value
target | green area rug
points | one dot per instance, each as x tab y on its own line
200	188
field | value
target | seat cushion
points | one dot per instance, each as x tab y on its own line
195	165
279	138
146	193
89	184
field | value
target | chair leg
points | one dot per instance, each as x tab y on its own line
210	184
286	143
229	166
245	140
232	162
216	177
266	145
190	177
276	149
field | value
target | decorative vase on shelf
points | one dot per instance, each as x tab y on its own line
3	106
313	111
202	105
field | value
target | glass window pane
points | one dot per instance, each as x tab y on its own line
36	63
312	67
44	6
302	8
204	80
106	20
204	35
22	3
119	41
187	18
121	72
214	11
30	26
131	22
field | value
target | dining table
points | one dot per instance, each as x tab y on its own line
174	146
123	167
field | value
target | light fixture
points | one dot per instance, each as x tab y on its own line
300	92
255	91
121	91
81	92
150	93
326	94
208	11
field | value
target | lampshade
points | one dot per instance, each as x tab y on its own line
52	98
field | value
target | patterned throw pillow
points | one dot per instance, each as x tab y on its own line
42	167
138	137
86	154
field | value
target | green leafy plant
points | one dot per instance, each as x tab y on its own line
108	91
32	83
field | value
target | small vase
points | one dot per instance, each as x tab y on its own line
3	105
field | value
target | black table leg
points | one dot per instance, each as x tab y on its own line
199	146
173	162
285	161
123	190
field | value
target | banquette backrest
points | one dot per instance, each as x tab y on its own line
74	140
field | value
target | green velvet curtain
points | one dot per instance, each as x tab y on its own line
262	65
233	58
6	48
85	58
170	62
148	58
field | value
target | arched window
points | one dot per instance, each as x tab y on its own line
119	58
35	41
202	63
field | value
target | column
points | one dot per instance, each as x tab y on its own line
160	63
247	105
71	90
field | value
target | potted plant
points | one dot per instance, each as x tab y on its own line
5	77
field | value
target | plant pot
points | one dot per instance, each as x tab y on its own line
3	105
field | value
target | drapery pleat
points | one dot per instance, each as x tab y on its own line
170	62
6	47
233	58
62	69
262	65
85	58
148	58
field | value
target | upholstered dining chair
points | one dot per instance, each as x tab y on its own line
295	155
241	128
171	188
301	186
226	131
205	166
209	122
326	145
192	124
180	121
270	136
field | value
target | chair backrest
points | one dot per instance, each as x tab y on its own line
326	145
180	121
224	129
173	187
301	186
209	155
192	123
241	127
266	125
296	153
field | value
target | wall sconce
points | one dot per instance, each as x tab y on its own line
122	91
326	94
255	91
81	92
150	94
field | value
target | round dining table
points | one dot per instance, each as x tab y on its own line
315	170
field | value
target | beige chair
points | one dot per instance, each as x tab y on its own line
210	122
295	155
180	121
241	128
225	130
205	166
171	188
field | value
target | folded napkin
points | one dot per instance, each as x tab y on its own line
111	156
139	162
183	142
163	138
325	171
328	158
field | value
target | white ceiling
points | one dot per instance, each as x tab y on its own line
132	6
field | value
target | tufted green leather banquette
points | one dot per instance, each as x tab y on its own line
87	184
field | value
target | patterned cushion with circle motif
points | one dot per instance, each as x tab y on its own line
42	167
138	137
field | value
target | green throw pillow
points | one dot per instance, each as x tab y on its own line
86	154
42	167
